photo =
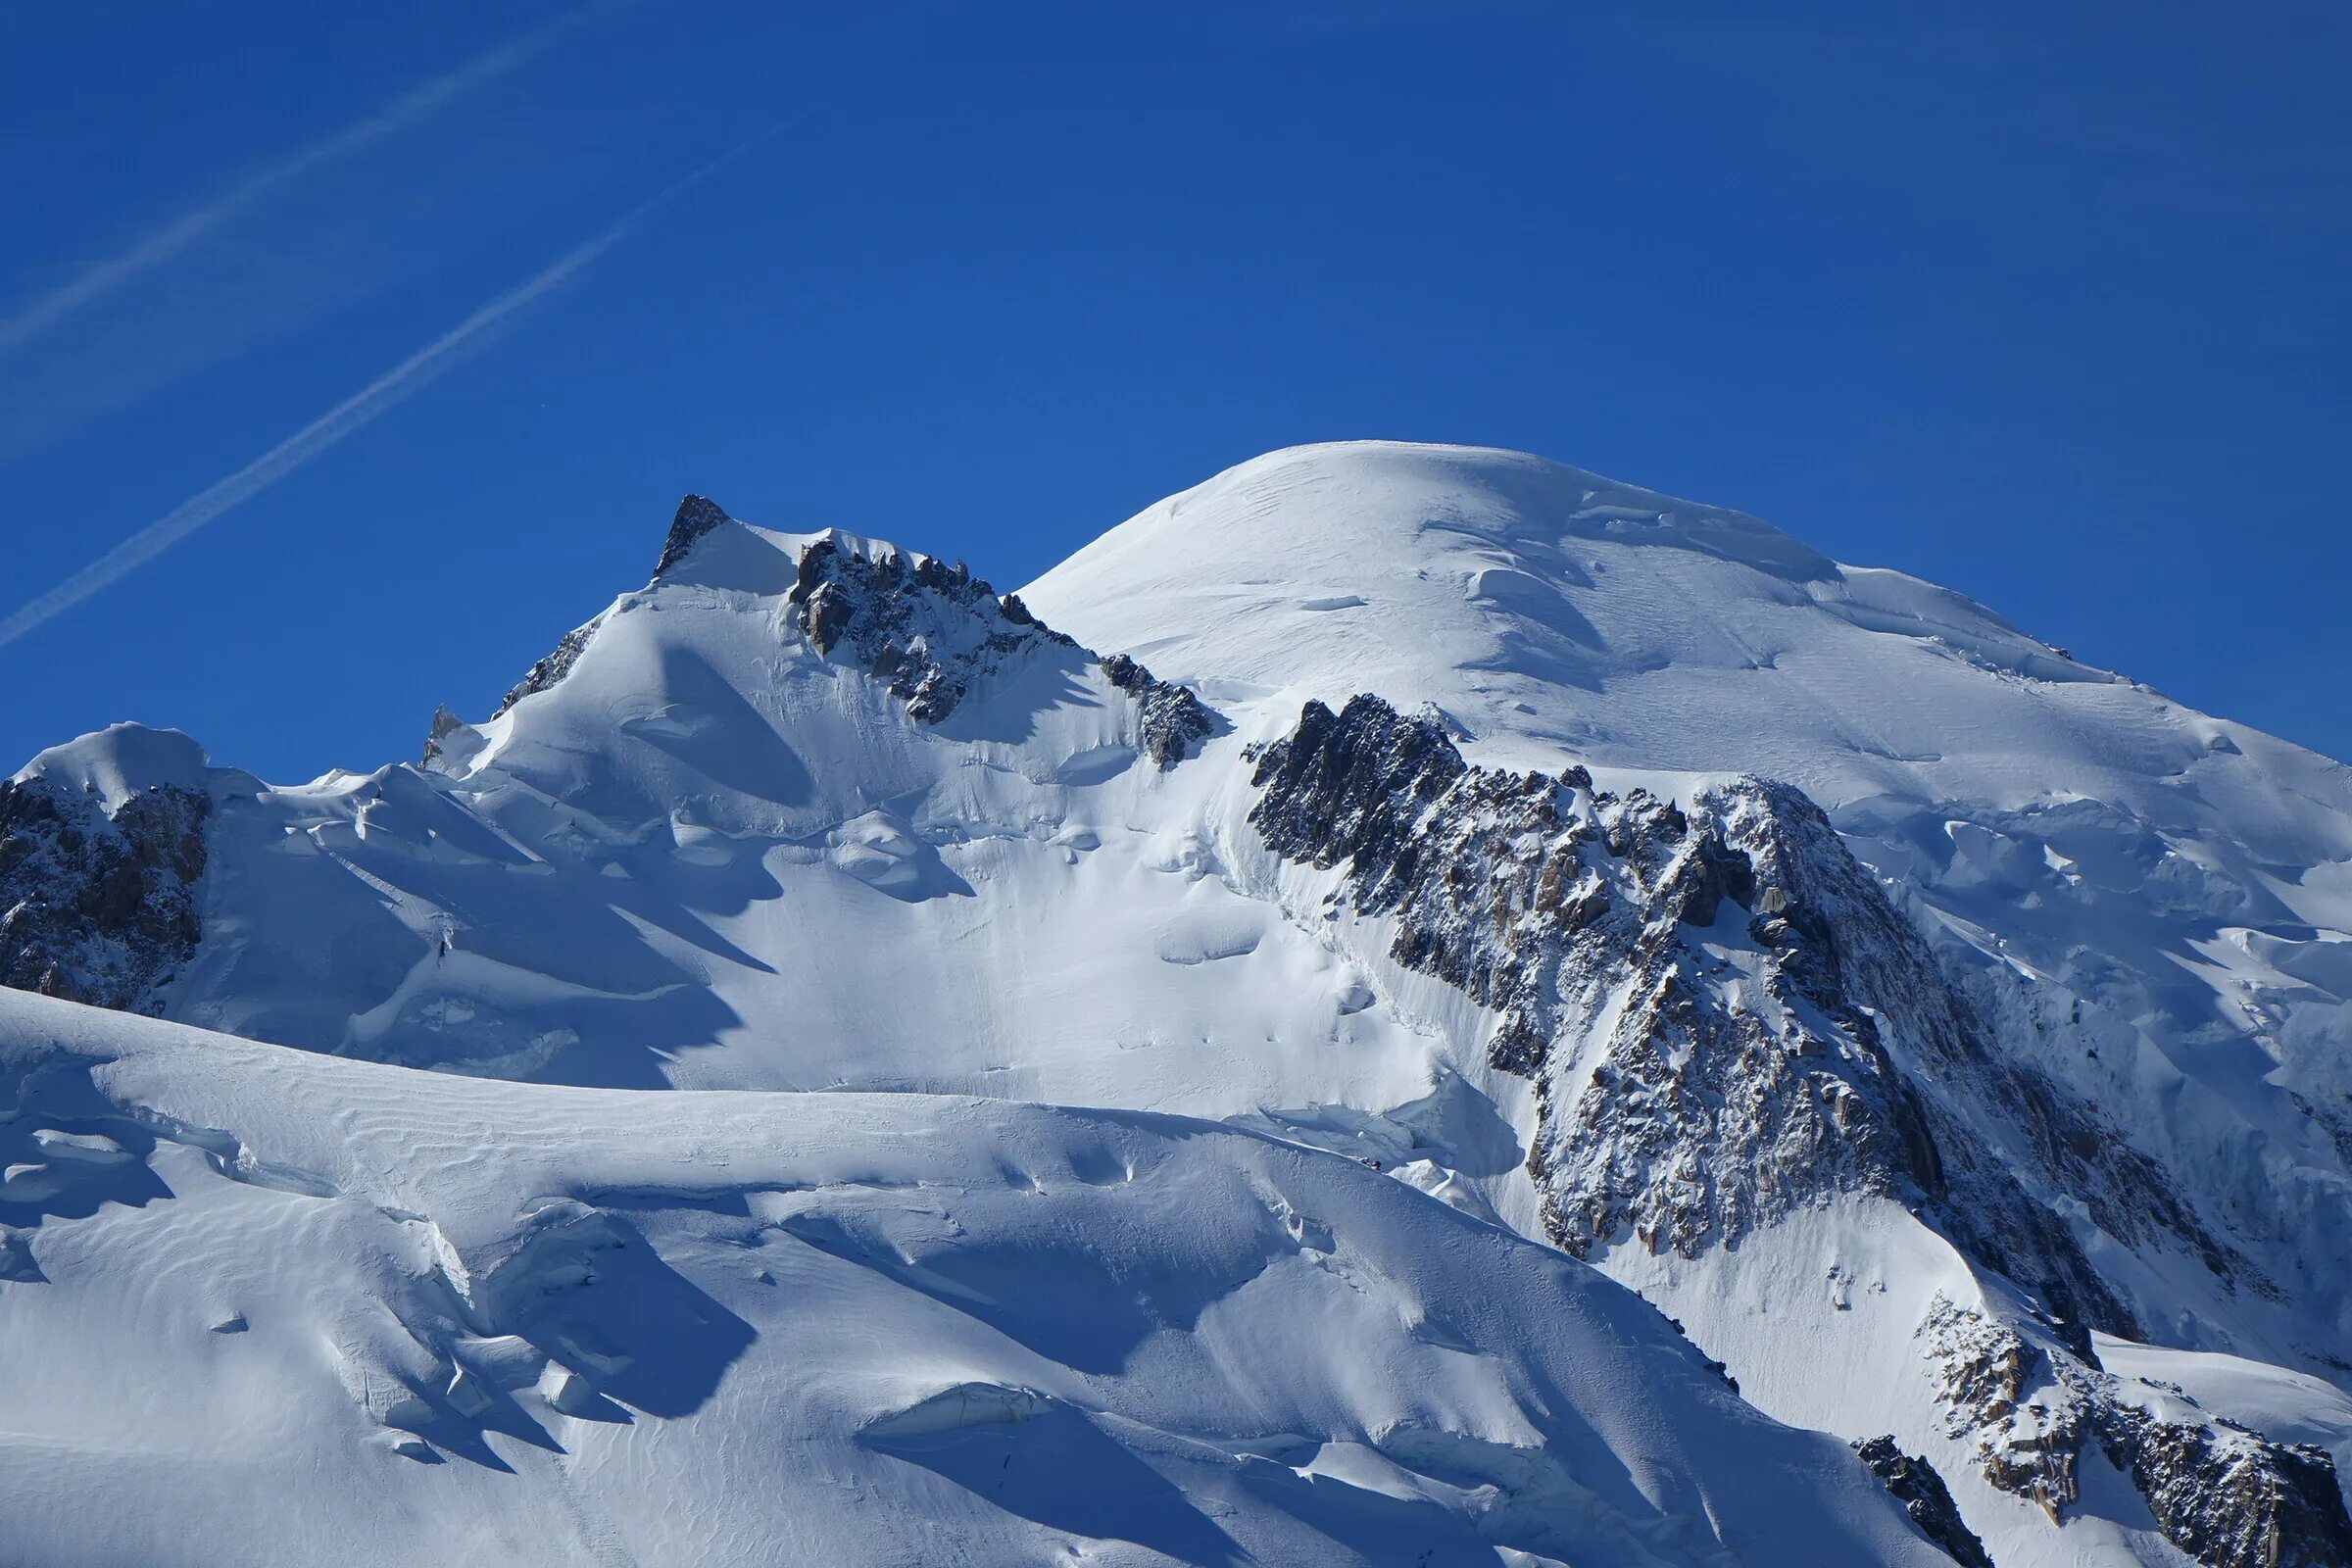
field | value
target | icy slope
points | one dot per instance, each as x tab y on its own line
271	1307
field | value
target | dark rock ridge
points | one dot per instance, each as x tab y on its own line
2228	1497
1726	1021
934	631
695	516
553	668
97	906
1732	1078
1170	719
931	630
1924	1496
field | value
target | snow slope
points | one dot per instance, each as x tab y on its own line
2153	906
2136	907
271	1307
816	848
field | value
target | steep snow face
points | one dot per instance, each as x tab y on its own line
2151	906
275	1307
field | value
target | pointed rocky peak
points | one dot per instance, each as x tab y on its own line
695	516
450	743
444	723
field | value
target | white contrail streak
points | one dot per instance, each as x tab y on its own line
410	376
159	246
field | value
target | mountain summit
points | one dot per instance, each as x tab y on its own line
1203	1060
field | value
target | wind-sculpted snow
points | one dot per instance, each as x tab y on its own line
276	1308
610	881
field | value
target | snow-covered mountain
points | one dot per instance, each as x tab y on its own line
1457	888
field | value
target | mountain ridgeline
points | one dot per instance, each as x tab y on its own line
1935	1030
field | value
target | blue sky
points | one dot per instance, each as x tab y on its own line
2046	304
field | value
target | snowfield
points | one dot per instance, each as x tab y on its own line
841	1067
282	1307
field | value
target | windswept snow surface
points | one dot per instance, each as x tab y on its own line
272	1307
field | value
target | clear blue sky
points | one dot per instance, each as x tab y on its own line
2044	303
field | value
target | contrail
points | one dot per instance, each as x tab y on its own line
152	251
410	376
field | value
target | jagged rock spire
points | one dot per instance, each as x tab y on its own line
444	723
696	516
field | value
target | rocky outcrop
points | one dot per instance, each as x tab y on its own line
1170	720
2015	1402
445	724
1691	1088
935	632
96	905
1695	1117
695	516
1924	1496
2228	1497
931	630
553	668
1726	1021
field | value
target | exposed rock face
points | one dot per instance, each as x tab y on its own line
929	629
695	516
553	668
934	632
1726	1022
2019	1402
1171	721
1703	1069
445	724
2228	1497
94	907
1924	1496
